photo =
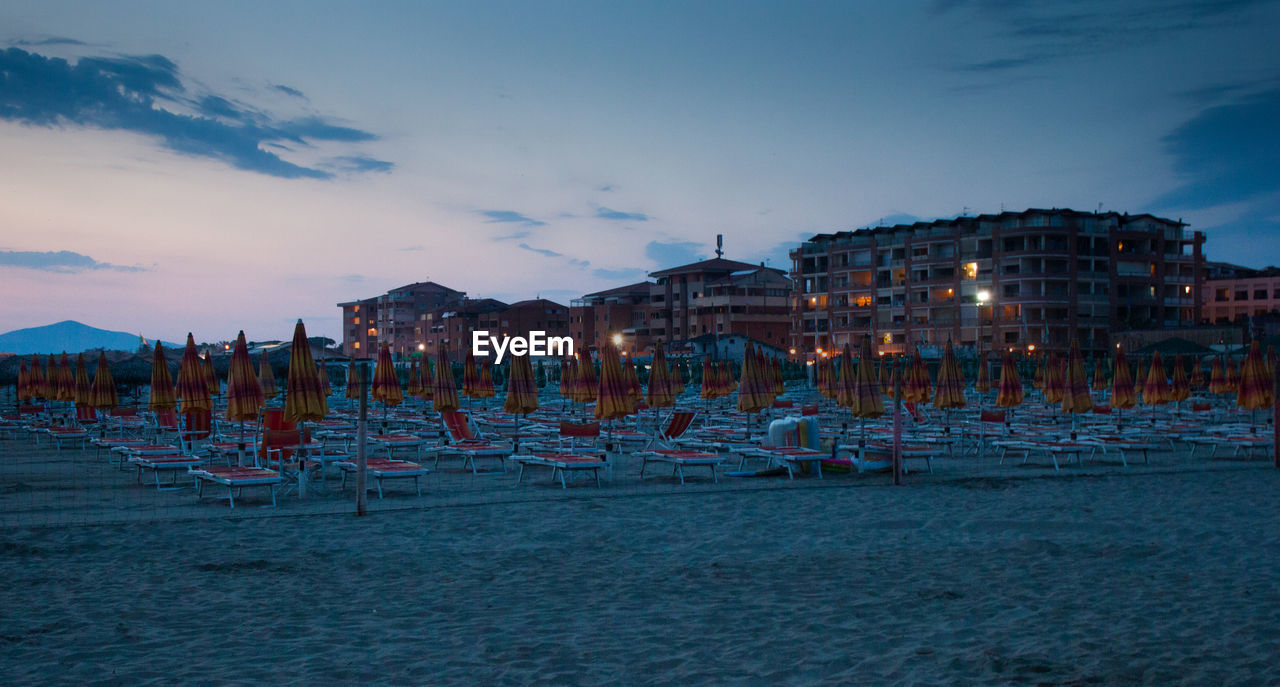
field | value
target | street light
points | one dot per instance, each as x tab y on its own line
984	296
617	339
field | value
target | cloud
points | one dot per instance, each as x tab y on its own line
542	251
607	188
146	94
673	253
513	236
606	213
1227	154
412	249
62	261
626	274
54	40
496	216
289	91
360	163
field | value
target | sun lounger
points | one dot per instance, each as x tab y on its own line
471	453
562	464
64	435
792	457
383	469
173	464
236	479
680	460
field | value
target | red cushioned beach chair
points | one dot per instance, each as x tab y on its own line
577	451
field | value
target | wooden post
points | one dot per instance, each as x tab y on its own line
362	438
897	430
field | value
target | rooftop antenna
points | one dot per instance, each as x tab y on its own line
1099	207
964	211
719	245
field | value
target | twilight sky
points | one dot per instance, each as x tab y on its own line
207	167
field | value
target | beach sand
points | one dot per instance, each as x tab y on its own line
1123	578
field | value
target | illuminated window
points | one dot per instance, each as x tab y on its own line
970	270
862	301
356	345
373	332
887	338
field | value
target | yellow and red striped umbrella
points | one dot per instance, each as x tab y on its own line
428	380
84	388
1155	389
193	388
1099	376
1256	391
102	395
845	384
586	385
728	383
779	386
66	381
754	391
613	398
710	380
24	382
51	380
210	376
522	387
1123	390
353	381
470	376
414	386
886	377
444	391
267	378
1053	385
983	383
1075	392
866	401
1009	393
1179	388
322	371
566	378
915	384
1233	377
661	391
678	378
163	395
826	377
633	382
1038	381
950	390
1140	375
244	391
35	378
1218	378
485	388
386	383
304	400
1197	374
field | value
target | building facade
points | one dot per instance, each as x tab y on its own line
1246	295
596	317
718	297
1007	280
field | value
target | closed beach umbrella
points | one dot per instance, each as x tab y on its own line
779	386
353	381
1038	380
66	380
1179	388
728	384
428	380
1197	374
1009	393
867	402
24	382
485	388
35	378
210	375
754	390
102	395
886	378
585	384
322	371
1256	391
983	383
661	391
386	383
414	385
633	382
950	391
267	378
51	380
566	379
244	391
444	392
1233	377
1155	389
613	398
84	388
1075	394
1053	385
845	384
1099	376
915	385
1122	387
709	386
304	400
163	396
470	376
1140	375
826	378
678	376
193	389
522	388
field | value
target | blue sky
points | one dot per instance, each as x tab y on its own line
174	167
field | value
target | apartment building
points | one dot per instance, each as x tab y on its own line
1241	294
1005	280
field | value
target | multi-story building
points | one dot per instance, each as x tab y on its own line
597	317
360	328
518	319
451	325
1007	280
1245	294
718	296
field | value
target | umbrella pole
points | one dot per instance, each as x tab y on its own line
241	438
302	459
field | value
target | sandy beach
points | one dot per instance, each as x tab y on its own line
1154	577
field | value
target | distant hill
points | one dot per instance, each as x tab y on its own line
69	336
